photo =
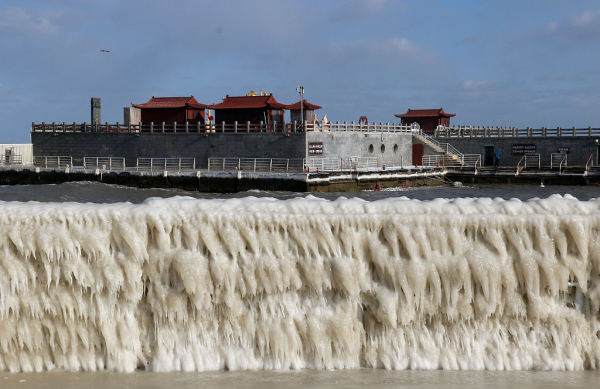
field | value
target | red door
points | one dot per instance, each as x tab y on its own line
417	152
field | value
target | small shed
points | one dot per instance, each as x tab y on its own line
253	109
428	119
307	108
171	110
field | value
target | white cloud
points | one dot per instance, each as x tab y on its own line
360	10
18	20
583	27
472	85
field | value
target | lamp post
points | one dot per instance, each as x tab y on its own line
300	89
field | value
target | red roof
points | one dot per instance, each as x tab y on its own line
171	102
420	113
237	102
307	105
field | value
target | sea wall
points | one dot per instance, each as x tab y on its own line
158	145
185	284
391	149
580	148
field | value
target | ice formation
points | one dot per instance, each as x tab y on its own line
186	284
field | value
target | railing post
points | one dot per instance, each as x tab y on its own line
162	127
590	131
558	131
248	126
274	126
235	127
151	127
574	131
295	123
261	126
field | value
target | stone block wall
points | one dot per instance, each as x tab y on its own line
580	148
191	145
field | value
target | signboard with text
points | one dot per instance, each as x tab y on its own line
315	148
523	148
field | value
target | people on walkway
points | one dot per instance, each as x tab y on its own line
497	158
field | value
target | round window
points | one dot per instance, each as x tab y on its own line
395	148
382	148
371	149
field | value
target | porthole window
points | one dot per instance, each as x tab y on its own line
382	148
395	148
371	149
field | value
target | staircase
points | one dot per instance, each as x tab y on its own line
443	148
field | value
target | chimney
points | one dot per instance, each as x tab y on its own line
95	110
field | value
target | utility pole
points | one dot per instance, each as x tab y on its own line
300	89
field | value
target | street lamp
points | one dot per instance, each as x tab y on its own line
300	89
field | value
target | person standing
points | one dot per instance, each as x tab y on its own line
497	158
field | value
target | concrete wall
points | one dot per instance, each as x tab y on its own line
218	145
193	145
581	147
397	146
25	150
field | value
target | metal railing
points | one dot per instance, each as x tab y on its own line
256	164
105	163
53	162
166	164
506	132
531	159
558	159
444	160
292	164
590	162
12	160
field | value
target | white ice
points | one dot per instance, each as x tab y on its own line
186	284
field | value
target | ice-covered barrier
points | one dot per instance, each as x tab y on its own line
185	284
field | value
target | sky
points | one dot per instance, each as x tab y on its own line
523	63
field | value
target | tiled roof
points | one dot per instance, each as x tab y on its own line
413	113
237	102
307	105
171	102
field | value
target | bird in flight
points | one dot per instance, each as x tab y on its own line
105	51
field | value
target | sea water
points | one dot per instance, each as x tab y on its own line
300	282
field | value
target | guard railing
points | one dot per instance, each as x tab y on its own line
166	164
53	162
282	165
105	163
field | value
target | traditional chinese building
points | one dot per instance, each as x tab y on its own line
428	119
308	110
171	110
253	109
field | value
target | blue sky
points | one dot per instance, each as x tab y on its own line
492	62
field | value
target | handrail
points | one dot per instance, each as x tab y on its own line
561	162
519	164
589	162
